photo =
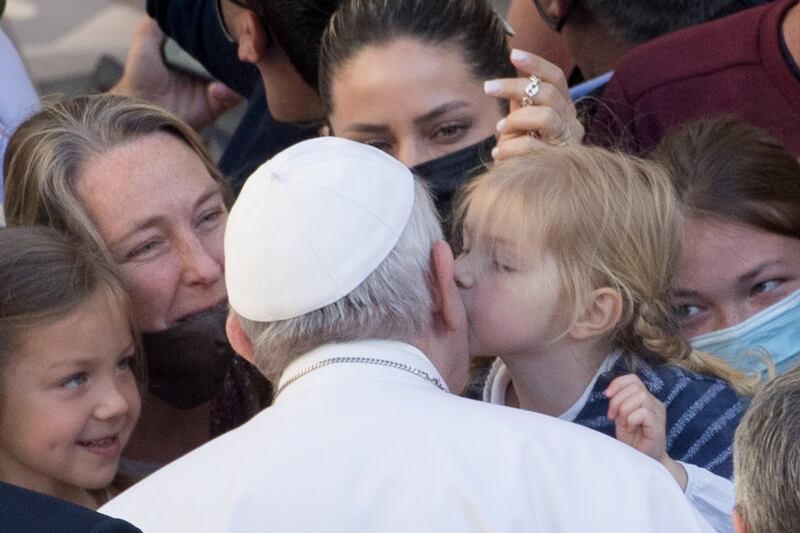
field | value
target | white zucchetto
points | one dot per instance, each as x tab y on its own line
311	224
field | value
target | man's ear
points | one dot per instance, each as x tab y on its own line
251	36
239	340
447	301
739	525
554	8
601	314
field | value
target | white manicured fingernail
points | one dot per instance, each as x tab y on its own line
491	87
518	55
501	125
495	151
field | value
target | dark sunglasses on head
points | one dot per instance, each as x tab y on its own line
555	23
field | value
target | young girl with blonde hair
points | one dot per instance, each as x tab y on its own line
69	398
568	258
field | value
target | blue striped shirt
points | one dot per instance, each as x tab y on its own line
702	412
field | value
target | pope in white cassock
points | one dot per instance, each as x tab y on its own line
342	292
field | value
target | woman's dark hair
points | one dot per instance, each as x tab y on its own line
727	169
472	26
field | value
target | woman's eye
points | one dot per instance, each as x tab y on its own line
126	363
766	286
143	250
380	145
687	310
211	217
75	381
451	132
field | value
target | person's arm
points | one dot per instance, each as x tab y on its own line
195	26
712	495
532	34
640	421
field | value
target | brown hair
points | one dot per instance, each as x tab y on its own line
609	220
46	276
728	169
766	458
47	152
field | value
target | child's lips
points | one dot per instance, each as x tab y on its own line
104	446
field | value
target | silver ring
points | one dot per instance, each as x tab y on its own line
531	90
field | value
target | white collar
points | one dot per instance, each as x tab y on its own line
394	351
499	379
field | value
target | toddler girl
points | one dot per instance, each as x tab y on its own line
568	257
68	395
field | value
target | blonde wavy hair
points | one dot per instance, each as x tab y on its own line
608	220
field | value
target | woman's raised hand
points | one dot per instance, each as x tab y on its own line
541	111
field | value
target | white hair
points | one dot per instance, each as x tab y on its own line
393	303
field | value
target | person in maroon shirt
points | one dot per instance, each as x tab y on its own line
745	64
598	34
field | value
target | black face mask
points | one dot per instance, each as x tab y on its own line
187	363
445	175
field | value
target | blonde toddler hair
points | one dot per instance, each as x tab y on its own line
608	220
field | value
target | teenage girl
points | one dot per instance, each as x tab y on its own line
568	257
69	397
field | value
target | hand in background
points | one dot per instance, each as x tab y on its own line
196	101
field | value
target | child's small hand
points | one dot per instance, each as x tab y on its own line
640	418
641	421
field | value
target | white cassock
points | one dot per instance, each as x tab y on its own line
365	447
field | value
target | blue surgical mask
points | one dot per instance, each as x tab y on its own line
773	332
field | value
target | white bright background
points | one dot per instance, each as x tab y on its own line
63	39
